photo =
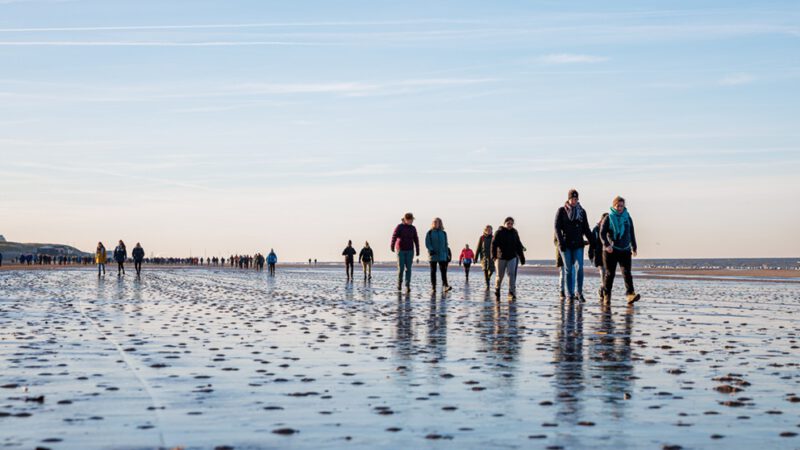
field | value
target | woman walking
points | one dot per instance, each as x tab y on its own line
483	253
138	257
100	258
465	258
120	255
365	257
508	252
404	242
619	242
438	253
272	259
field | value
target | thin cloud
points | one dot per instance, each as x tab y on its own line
737	79
571	58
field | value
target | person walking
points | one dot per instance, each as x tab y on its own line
560	267
349	252
272	259
508	253
365	257
438	253
405	241
596	252
100	258
465	258
619	245
571	225
138	256
120	255
483	253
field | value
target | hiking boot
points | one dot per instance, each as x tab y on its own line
447	288
581	298
563	295
433	290
633	298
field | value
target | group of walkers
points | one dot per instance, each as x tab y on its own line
611	243
365	257
120	256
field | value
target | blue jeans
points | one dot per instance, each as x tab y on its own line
404	260
571	257
561	278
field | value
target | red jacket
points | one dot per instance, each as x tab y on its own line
466	254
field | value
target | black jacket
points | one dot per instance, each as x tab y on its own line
506	245
596	246
627	239
137	253
570	233
348	253
484	248
120	254
365	255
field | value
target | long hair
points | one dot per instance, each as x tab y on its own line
441	224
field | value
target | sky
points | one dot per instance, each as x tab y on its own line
217	127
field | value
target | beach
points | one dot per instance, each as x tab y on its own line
203	358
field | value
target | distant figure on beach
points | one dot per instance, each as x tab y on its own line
272	259
560	267
571	225
260	261
619	243
596	252
309	261
366	257
404	241
484	254
100	258
1	260
508	253
138	256
438	253
315	261
120	255
349	253
465	258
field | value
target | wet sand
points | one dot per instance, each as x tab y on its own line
201	358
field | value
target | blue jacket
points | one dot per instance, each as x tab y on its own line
436	243
272	258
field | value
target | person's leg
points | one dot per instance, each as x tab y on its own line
409	264
562	279
602	280
443	270
466	270
579	260
401	264
369	270
501	269
433	274
569	271
512	277
98	269
610	262
625	264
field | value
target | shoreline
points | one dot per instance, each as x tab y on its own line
731	275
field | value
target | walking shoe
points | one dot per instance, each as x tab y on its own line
447	288
512	295
497	293
433	290
607	299
571	298
633	298
581	297
601	293
408	288
399	287
563	295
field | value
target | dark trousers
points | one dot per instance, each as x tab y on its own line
466	270
120	268
271	268
138	266
610	261
442	268
348	267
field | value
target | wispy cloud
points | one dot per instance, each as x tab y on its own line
571	58
737	79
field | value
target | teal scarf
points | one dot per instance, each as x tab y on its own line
618	222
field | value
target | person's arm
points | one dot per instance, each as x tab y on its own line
633	236
394	238
479	250
592	247
416	240
360	255
586	230
494	245
520	250
604	228
428	243
557	227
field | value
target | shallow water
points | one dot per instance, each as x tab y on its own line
206	359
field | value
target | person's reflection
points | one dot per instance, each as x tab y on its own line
404	333
499	333
568	359
437	328
611	358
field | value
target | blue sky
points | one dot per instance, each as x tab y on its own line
217	127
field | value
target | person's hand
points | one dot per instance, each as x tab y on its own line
634	253
391	249
562	248
609	249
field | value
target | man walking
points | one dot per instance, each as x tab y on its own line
365	257
483	253
507	252
138	257
405	241
349	253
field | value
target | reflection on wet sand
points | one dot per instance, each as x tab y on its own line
610	358
568	360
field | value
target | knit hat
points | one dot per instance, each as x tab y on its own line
572	194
